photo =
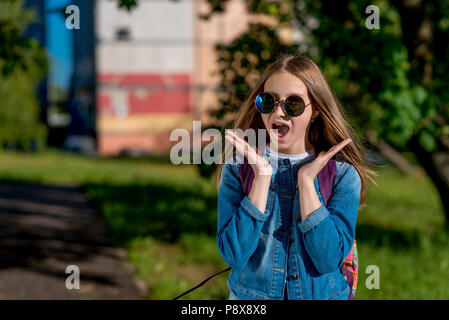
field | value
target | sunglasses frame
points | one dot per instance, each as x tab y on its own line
284	106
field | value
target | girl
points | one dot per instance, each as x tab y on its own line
280	241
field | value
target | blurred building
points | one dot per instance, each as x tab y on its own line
139	75
154	69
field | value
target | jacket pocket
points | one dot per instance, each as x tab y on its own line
339	287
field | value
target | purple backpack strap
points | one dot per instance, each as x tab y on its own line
326	179
246	176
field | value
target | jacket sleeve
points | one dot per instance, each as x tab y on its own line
239	221
329	232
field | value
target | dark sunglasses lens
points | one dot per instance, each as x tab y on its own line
265	102
295	106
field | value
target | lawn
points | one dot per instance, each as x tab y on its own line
165	217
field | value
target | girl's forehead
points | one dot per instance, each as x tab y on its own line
283	84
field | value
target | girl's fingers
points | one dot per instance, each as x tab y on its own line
238	146
336	148
325	156
236	136
232	134
240	141
322	159
227	149
243	147
232	140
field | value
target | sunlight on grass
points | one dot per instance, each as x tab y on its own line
405	203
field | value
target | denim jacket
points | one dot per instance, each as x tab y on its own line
274	252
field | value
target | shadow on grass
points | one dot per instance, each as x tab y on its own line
161	211
165	212
396	239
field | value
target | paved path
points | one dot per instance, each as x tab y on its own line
43	229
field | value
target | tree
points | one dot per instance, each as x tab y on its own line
22	65
392	80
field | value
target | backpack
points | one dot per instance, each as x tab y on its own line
326	178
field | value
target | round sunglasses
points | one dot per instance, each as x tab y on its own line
293	105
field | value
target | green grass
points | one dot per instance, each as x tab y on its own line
165	216
401	230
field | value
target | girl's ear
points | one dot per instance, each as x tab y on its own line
315	114
315	111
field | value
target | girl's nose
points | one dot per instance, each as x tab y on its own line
279	109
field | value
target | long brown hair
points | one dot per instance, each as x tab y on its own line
330	127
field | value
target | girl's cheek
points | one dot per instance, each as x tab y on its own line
265	122
299	125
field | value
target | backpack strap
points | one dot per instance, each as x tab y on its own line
326	179
246	175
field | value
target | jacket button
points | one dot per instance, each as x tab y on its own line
291	240
293	277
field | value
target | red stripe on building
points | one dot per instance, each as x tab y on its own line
111	144
104	101
159	102
147	93
144	79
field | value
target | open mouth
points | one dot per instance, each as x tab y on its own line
282	130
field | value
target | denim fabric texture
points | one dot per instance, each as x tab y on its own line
274	253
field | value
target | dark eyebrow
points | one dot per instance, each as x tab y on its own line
288	95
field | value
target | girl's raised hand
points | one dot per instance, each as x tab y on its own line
258	163
309	171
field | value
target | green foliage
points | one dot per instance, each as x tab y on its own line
127	4
22	66
374	73
206	170
377	73
20	127
15	50
130	4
